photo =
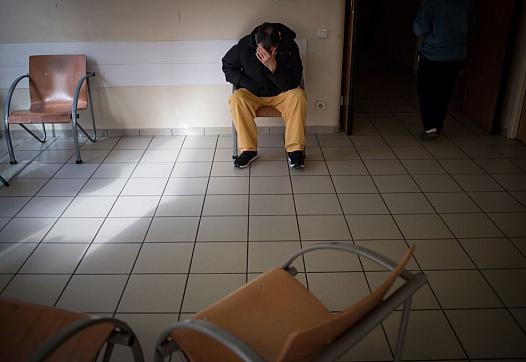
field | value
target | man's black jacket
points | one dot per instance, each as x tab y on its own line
243	69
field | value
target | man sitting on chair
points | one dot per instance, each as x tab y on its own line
265	69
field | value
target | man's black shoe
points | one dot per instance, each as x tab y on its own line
245	159
296	159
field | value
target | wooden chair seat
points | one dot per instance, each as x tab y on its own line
276	304
268	112
278	318
58	112
25	327
40	116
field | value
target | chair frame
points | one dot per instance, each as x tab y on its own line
403	295
122	334
75	125
4	181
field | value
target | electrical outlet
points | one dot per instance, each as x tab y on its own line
321	105
323	33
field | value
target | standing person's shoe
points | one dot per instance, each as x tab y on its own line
296	159
245	159
429	134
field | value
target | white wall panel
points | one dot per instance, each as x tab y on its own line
125	64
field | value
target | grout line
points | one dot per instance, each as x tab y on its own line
416	261
94	235
248	216
149	225
32	198
196	233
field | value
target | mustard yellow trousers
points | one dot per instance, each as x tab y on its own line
291	104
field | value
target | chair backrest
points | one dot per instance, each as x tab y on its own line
53	79
24	327
305	345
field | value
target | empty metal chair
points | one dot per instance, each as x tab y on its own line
30	332
58	88
275	318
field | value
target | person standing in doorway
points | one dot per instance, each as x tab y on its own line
445	27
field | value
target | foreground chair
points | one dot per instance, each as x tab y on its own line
275	318
58	88
30	332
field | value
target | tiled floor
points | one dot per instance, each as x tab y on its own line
152	229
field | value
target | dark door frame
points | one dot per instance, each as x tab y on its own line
349	45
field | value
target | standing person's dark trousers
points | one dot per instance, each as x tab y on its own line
436	83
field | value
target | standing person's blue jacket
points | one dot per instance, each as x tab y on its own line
446	26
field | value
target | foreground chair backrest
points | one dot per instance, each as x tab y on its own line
275	318
30	332
58	88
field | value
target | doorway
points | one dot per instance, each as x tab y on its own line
380	62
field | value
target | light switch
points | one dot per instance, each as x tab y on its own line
323	33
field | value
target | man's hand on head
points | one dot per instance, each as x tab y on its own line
267	58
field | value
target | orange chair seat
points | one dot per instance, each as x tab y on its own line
267	112
278	318
24	327
276	304
41	115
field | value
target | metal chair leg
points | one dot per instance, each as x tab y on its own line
12	159
4	181
90	101
75	136
35	136
403	329
234	142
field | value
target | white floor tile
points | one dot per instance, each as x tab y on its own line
173	229
54	259
103	187
39	170
153	293
144	186
160	156
45	207
62	187
77	171
123	230
38	289
135	206
74	230
13	255
26	230
23	187
12	205
180	206
114	170
164	258
90	206
160	169
93	293
109	259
